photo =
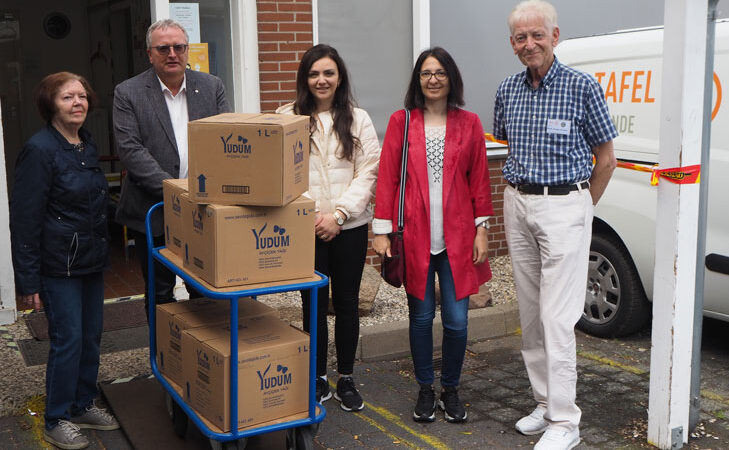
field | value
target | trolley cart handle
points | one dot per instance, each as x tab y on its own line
151	294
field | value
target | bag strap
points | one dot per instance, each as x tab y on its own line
403	173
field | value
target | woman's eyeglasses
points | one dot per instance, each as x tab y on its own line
165	49
440	75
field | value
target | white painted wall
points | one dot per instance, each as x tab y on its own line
376	41
7	281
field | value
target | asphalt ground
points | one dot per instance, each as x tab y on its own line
612	392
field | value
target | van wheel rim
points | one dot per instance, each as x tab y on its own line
602	298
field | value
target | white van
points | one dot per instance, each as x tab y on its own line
620	283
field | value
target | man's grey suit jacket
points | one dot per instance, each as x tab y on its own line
146	141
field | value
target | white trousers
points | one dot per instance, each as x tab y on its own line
549	244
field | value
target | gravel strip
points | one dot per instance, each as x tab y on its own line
391	303
19	383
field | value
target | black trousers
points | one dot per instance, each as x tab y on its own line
342	260
164	279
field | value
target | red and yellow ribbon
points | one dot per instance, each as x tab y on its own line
678	175
490	137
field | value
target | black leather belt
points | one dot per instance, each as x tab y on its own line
557	189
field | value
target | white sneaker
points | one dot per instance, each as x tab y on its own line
558	439
534	423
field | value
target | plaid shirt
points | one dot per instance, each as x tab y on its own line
521	115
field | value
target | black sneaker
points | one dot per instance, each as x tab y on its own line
322	390
451	405
347	394
425	407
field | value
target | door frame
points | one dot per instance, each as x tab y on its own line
244	44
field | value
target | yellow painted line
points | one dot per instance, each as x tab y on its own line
395	439
37	404
396	420
714	396
709	395
611	362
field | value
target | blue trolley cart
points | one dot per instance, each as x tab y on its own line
299	433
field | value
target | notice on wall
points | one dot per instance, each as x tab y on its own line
198	57
188	14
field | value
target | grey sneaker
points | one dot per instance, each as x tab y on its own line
96	418
66	435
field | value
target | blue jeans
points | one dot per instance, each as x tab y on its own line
454	315
74	308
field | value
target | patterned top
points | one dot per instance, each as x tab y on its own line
551	129
434	151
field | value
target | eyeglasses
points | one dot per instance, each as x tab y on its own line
440	75
165	49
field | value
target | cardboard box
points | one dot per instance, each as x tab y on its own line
248	159
173	318
273	372
174	193
176	260
238	245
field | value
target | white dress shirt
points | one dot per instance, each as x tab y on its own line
177	107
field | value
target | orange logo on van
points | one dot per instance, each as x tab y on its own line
635	87
717	84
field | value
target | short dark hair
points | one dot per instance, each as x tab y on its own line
46	92
342	105
415	98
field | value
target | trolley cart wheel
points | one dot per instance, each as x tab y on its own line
240	444
301	438
178	416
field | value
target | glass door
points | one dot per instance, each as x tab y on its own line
10	88
208	24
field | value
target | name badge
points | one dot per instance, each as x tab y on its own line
558	126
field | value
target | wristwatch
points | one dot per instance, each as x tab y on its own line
484	224
338	217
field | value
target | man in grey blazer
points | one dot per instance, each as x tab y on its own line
151	111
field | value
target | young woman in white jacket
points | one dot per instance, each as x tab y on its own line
343	163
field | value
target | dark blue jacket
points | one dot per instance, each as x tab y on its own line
58	210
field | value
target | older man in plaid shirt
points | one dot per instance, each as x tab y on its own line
555	119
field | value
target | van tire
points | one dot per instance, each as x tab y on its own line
615	302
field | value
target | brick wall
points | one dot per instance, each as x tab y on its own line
497	238
284	34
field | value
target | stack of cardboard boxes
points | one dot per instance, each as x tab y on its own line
239	219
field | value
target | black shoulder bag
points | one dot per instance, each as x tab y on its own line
393	267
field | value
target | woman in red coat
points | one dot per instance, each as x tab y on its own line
447	206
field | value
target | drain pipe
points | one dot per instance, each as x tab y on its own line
695	403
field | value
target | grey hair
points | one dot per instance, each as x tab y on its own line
162	25
533	9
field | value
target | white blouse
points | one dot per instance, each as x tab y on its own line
434	151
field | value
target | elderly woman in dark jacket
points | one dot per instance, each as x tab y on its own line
60	249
